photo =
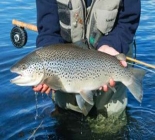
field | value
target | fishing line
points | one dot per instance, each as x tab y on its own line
35	130
141	67
36	99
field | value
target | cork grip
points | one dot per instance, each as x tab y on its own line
24	25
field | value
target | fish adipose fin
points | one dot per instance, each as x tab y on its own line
121	57
83	105
136	84
54	83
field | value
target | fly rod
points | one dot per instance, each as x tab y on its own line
34	28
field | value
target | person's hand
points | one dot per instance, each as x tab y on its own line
109	50
43	88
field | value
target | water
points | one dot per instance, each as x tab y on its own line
18	104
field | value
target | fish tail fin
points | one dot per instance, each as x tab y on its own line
135	86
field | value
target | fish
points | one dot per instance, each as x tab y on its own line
71	69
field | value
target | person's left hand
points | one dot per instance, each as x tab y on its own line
109	50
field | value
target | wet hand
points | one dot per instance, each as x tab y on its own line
109	50
43	88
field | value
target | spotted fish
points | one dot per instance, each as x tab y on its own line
75	70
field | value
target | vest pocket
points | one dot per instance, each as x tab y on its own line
77	23
64	20
71	23
105	19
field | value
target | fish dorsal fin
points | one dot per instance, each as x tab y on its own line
87	96
54	82
121	57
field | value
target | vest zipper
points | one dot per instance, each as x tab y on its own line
88	15
84	15
86	23
70	5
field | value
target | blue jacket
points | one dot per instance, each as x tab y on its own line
119	38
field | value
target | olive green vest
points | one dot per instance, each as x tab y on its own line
78	22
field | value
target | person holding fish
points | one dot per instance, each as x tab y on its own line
107	26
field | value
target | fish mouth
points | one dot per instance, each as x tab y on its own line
17	78
25	79
21	79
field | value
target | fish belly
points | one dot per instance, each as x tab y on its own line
85	85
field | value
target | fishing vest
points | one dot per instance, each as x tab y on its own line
79	22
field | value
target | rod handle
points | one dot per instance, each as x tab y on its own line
25	25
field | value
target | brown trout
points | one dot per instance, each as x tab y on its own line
75	70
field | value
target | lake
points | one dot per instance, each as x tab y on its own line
19	118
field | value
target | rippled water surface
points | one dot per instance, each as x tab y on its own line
18	118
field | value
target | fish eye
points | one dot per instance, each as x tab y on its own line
23	67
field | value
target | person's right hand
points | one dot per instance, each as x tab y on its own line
43	88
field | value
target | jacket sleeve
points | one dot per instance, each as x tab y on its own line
47	23
125	27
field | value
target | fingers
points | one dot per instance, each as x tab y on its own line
112	83
43	88
124	63
105	87
109	50
48	90
37	88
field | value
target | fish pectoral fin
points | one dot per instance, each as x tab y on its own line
87	96
112	88
83	105
121	57
54	83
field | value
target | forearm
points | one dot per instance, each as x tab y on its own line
47	23
125	27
